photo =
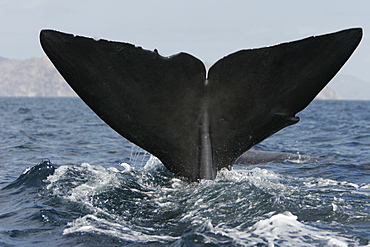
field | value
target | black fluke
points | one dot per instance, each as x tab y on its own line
193	124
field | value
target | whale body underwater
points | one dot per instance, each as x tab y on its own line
197	124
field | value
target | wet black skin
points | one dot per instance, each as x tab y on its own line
193	124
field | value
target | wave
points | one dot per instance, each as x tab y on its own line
33	176
241	207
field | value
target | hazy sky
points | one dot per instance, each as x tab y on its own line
207	29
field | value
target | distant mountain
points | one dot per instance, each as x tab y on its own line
351	87
327	93
35	77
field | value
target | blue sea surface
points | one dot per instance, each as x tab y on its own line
67	179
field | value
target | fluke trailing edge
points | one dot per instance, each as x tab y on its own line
193	124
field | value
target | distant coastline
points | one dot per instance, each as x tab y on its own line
34	77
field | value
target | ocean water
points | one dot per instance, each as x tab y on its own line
67	179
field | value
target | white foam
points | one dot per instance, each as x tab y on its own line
127	167
283	229
93	224
90	180
261	178
274	229
322	182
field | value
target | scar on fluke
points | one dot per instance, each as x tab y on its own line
193	124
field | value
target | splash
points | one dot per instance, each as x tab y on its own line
239	208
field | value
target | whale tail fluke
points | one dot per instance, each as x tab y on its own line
193	124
